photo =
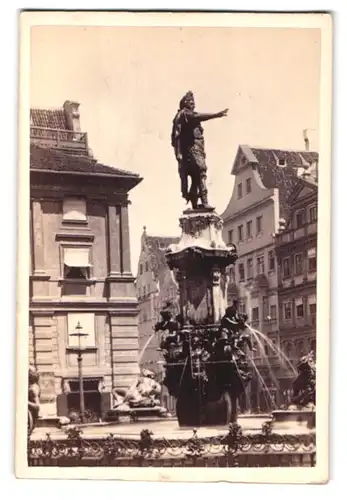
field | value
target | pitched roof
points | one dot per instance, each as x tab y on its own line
48	118
291	158
55	161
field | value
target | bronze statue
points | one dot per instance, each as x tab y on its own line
187	139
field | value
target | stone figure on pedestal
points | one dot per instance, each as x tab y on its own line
187	139
33	398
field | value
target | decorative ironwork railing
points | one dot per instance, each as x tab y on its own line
59	138
235	449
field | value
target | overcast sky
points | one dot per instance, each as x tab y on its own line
129	82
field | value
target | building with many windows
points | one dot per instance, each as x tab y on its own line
155	286
263	180
80	267
296	251
155	289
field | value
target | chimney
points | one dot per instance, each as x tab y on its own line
72	115
306	139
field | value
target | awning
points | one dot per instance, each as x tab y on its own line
298	301
312	299
76	257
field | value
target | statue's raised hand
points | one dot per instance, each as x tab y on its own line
224	112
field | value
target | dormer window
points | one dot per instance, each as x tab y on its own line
74	210
281	162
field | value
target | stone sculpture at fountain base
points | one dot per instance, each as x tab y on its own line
302	410
141	400
205	349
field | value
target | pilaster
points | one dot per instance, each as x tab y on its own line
115	239
124	350
45	354
126	264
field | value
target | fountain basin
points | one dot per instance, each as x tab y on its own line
134	414
294	417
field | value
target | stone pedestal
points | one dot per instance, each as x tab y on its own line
199	262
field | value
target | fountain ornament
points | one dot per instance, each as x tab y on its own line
302	408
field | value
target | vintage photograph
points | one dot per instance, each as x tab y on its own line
176	175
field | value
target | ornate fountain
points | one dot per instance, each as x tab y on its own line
205	347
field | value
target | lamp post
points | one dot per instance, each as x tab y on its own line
79	334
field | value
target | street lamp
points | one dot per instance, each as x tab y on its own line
79	334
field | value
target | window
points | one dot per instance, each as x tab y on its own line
141	269
239	190
240	231
259	224
260	265
266	308
273	312
300	348
271	258
230	236
255	314
248	185
298	264
312	308
242	308
286	267
77	263
299	308
242	271
249	268
74	210
249	229
289	350
312	260
299	218
146	267
87	322
312	213
287	310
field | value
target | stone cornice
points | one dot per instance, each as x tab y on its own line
117	307
249	208
291	290
120	278
76	233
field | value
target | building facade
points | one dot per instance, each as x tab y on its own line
296	251
263	179
155	287
80	267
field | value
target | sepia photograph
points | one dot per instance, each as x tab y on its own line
173	252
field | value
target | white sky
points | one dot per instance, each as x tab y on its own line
129	82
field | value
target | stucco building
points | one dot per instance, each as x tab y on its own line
263	180
296	251
80	266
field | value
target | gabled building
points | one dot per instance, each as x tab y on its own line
155	287
263	180
80	267
296	251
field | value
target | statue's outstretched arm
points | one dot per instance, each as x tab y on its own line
203	117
